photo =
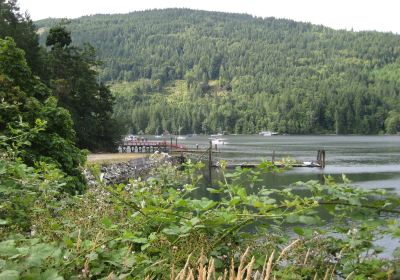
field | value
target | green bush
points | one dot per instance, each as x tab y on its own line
146	228
25	99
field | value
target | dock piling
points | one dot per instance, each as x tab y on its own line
321	158
210	165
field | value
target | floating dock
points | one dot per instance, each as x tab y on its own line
280	165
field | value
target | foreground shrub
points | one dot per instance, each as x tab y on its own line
149	228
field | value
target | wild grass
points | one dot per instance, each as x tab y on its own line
245	270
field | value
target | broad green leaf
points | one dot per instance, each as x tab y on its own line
39	253
7	248
235	200
194	221
212	190
173	230
9	275
92	256
308	232
242	193
144	246
292	218
106	222
51	275
298	230
140	240
231	175
308	220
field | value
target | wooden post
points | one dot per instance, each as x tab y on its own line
170	147
321	158
210	161
273	157
216	147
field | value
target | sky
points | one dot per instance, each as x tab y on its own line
379	15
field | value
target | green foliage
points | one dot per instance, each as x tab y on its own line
148	227
20	27
392	123
70	73
19	183
73	79
241	74
58	37
24	101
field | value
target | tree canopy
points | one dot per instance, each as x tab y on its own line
68	72
21	28
73	79
25	100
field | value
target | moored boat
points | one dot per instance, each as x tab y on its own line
267	133
218	141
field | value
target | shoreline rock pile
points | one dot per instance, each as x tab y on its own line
120	172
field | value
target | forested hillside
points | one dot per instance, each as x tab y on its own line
195	71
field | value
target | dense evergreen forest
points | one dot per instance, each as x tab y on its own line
196	71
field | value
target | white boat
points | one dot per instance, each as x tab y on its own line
218	141
267	133
180	137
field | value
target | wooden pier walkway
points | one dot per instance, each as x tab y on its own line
138	146
144	146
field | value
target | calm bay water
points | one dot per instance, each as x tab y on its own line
368	161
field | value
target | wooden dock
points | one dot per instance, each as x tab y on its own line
214	163
139	146
181	151
207	155
276	164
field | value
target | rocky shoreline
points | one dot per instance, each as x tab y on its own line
120	172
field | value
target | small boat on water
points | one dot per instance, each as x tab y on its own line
218	141
267	133
180	137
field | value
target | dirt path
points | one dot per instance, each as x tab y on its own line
111	158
